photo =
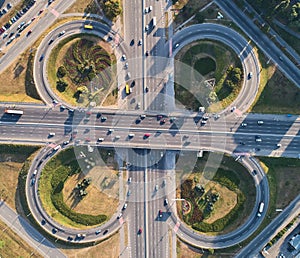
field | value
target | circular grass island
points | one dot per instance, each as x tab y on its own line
215	74
77	198
81	70
219	205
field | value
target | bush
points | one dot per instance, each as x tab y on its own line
61	72
61	85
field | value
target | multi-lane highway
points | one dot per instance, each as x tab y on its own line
147	54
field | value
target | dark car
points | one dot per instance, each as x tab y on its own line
28	33
41	57
50	41
105	231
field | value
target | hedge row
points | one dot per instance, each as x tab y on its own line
59	169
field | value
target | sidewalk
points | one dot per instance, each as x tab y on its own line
28	233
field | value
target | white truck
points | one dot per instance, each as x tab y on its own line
153	22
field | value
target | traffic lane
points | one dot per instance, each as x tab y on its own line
263	42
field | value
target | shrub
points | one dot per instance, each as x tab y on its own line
61	71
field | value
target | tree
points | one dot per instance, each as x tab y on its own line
82	89
112	8
61	85
199	17
61	72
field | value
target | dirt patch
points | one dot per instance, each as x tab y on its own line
11	245
94	203
185	251
227	201
15	87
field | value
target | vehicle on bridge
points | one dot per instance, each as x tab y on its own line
127	89
88	27
260	209
14	112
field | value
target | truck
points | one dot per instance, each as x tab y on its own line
153	22
260	209
13	112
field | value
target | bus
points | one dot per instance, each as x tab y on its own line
260	209
127	89
13	112
88	27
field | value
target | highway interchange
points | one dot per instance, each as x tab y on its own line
185	134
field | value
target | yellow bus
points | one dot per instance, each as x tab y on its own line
127	89
88	27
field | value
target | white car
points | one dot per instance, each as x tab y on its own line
146	27
124	57
260	122
61	33
140	42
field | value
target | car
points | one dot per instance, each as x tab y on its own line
110	130
250	75
41	11
147	135
254	172
164	182
132	42
61	33
143	116
278	145
260	122
146	27
103	118
21	25
233	108
140	231
41	59
166	202
128	193
124	206
5	35
105	231
129	180
117	137
8	6
160	214
176	46
163	121
98	115
50	41
146	10
32	19
244	124
100	139
242	143
51	134
131	135
150	8
66	142
54	230
28	33
146	89
32	181
140	42
120	215
280	57
43	222
70	238
124	58
258	138
97	232
156	188
126	65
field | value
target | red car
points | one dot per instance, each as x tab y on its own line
146	135
160	213
140	231
29	32
41	11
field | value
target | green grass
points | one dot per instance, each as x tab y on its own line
205	65
205	56
235	177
